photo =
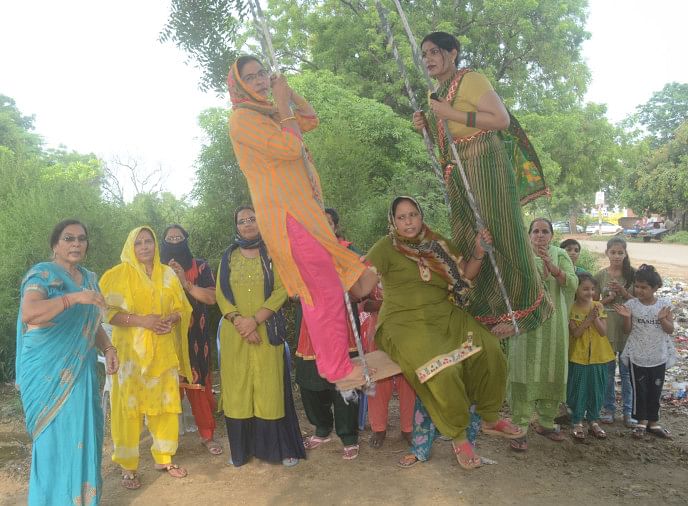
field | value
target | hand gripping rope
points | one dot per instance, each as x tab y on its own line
266	44
480	224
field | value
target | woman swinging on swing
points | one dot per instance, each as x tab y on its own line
286	194
475	115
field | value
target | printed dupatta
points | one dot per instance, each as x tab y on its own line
530	180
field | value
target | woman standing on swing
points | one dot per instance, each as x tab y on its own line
475	115
286	194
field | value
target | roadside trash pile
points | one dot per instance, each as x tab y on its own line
675	392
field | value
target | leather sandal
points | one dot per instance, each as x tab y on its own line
504	428
659	431
214	448
519	445
551	434
639	431
578	432
130	480
173	470
597	431
350	452
408	460
465	455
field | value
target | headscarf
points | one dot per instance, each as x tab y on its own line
242	96
179	251
276	324
127	286
431	253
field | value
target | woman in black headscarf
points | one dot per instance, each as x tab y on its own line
199	286
254	366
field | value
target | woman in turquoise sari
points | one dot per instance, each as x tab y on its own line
58	331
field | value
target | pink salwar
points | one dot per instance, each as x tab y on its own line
326	319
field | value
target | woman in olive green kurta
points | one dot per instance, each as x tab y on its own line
417	324
256	401
538	359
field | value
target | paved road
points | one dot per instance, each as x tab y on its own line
653	252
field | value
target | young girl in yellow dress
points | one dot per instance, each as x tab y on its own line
589	353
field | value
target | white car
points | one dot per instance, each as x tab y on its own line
605	228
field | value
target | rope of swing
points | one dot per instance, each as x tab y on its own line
266	45
436	166
479	223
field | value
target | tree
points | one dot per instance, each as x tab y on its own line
666	110
659	180
531	50
364	152
582	143
42	187
16	130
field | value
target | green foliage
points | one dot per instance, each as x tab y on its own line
210	31
532	50
582	143
666	110
588	261
658	180
41	188
365	155
677	238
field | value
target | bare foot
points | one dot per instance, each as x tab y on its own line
377	439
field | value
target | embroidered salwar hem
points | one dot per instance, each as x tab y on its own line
448	395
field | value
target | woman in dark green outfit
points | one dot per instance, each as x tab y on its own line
421	326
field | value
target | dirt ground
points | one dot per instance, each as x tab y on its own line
614	471
618	470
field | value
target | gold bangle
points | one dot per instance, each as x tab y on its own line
111	347
288	118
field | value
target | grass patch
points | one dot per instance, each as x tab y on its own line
677	237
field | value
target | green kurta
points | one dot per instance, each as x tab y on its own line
538	359
252	374
617	337
417	322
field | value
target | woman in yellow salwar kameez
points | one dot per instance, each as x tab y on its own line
150	315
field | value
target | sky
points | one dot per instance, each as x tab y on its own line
98	80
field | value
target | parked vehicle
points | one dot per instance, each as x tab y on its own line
605	228
655	230
564	227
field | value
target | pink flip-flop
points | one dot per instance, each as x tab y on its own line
312	442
